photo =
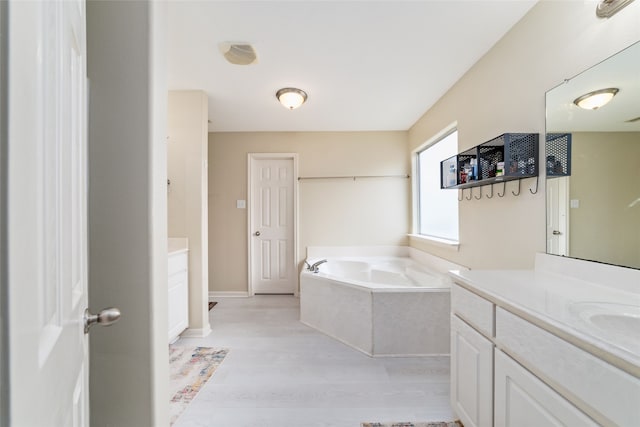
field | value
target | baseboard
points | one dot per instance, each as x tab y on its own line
227	294
196	333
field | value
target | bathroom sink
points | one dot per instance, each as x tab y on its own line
622	324
622	320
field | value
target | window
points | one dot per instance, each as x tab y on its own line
437	209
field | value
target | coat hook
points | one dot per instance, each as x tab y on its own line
491	196
534	192
460	193
470	193
478	198
504	185
518	193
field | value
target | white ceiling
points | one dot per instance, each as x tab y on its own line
366	65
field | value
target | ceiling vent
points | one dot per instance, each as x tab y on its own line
238	53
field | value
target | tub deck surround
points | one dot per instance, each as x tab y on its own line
558	297
383	301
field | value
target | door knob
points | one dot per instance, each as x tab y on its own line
556	233
257	233
106	317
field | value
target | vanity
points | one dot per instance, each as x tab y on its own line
557	345
178	281
560	344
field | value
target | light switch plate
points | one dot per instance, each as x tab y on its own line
575	203
241	204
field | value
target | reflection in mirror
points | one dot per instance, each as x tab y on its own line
593	165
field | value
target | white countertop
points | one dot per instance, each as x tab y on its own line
561	304
177	245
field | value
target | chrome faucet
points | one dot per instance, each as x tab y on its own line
314	268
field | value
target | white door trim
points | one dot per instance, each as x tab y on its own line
251	157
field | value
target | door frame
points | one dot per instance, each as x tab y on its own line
251	158
4	284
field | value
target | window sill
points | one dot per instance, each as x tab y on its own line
436	241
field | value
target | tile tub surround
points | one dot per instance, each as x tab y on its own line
376	319
281	373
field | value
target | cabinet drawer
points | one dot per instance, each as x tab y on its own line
522	400
178	279
177	262
606	393
476	310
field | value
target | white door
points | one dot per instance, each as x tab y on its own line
272	224
557	216
47	214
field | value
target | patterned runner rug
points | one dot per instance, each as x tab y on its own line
189	369
431	424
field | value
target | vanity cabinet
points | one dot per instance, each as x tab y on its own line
512	367
471	358
178	308
523	400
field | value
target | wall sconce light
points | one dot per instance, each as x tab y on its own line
291	97
596	99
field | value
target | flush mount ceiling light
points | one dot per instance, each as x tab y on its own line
607	8
291	97
596	99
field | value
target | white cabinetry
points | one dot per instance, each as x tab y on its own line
606	393
509	368
522	400
471	358
178	294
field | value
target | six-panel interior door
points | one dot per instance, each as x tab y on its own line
558	216
47	214
272	226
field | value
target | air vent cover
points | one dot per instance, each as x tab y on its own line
238	53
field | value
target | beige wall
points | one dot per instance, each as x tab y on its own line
505	92
187	197
335	212
604	179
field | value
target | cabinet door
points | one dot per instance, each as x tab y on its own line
471	375
178	310
522	400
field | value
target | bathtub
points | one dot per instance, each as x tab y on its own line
387	302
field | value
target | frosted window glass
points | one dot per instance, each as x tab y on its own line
437	208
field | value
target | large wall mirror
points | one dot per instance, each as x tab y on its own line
593	164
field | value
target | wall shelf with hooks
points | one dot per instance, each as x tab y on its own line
508	157
558	149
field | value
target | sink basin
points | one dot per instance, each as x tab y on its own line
621	324
622	320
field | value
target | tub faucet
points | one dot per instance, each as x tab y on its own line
314	268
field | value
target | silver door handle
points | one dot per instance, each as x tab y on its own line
257	233
556	233
106	317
